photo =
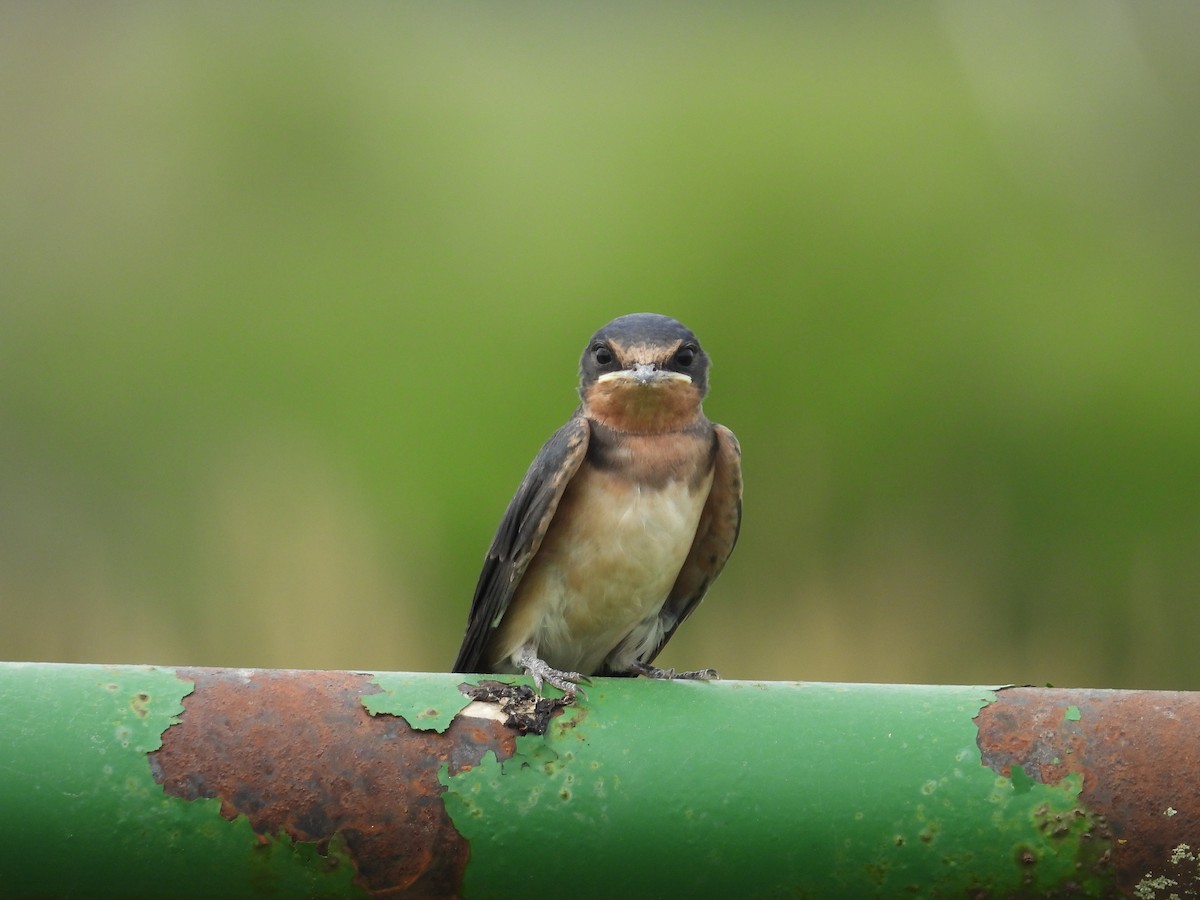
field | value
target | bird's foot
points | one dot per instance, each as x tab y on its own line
648	671
541	671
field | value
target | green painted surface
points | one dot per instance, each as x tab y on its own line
82	816
644	789
428	702
749	789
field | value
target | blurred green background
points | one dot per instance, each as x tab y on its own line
291	294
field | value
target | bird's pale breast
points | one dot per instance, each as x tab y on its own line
607	564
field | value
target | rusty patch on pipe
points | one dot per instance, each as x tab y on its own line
297	752
1137	753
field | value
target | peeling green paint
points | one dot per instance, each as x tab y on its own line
1021	783
889	797
1066	842
1072	714
599	766
425	701
75	774
643	788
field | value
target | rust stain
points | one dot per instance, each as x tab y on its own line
297	752
1135	751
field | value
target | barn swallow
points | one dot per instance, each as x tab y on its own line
621	523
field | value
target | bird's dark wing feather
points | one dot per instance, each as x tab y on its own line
715	536
519	536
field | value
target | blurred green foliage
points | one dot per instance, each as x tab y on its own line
291	295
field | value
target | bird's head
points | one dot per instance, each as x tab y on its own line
643	373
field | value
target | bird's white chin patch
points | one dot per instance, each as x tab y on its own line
661	376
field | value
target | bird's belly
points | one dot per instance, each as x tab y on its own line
606	566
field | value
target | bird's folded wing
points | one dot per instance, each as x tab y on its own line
519	536
715	536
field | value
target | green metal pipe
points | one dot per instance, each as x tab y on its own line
135	781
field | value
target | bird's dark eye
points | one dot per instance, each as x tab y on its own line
602	355
686	356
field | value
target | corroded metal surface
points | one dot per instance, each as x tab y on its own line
1129	748
298	754
324	784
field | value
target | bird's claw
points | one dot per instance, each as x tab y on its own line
541	671
648	671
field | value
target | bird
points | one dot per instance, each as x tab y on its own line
622	522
